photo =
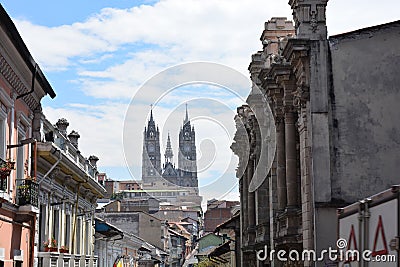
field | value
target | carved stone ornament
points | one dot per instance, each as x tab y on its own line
301	96
313	21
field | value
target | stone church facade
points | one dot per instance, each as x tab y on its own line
167	176
333	106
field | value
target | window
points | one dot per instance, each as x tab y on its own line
67	229
5	104
42	223
88	238
78	236
20	159
2	138
56	226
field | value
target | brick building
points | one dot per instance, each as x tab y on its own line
218	211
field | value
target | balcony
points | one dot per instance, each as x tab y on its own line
28	193
69	149
64	259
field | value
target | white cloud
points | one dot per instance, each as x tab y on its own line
344	16
54	47
177	31
147	39
99	127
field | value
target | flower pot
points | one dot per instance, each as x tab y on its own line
11	164
46	249
62	250
51	249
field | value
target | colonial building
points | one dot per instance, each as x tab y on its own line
22	86
332	107
68	193
143	225
114	246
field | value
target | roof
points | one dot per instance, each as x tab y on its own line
106	228
102	205
227	223
180	227
206	251
222	249
8	26
176	233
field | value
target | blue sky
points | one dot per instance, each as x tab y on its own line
98	53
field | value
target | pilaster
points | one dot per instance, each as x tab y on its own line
310	18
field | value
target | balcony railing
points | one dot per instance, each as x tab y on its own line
70	151
28	193
46	259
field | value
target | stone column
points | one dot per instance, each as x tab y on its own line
281	163
291	159
244	197
251	204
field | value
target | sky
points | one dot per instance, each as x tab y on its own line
108	60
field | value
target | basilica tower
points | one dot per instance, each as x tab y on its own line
167	176
187	154
151	157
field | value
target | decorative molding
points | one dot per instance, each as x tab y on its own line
5	99
15	82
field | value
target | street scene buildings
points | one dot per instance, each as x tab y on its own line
330	99
318	146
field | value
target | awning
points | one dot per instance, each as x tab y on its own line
220	250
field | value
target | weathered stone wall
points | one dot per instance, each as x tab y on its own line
127	223
138	223
365	98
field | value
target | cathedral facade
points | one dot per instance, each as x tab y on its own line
163	176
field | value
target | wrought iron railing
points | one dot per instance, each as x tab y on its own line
70	150
28	193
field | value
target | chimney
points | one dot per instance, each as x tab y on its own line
93	160
73	138
62	125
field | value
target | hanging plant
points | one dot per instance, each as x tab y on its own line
6	167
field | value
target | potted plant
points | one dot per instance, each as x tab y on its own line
11	164
64	249
50	245
5	168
